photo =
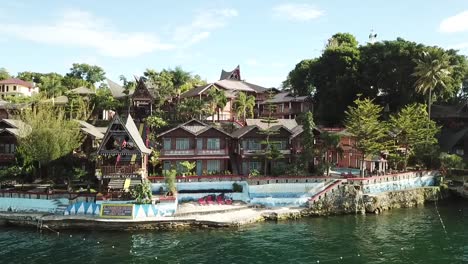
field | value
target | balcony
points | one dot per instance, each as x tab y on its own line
262	152
194	152
7	157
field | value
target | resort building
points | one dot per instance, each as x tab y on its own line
249	146
231	84
195	141
9	134
285	105
17	87
122	154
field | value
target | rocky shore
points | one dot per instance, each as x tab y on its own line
347	199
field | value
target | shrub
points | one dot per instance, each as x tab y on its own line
254	172
142	192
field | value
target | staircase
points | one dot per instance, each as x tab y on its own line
61	207
116	184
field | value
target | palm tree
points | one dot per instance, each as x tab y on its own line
433	71
218	100
245	105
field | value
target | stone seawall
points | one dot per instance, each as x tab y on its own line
348	199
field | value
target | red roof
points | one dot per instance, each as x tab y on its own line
17	82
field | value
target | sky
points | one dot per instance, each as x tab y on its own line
266	38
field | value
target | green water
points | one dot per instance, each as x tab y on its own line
400	236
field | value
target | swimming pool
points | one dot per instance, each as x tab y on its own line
339	171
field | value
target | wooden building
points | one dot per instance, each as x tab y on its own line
195	141
122	153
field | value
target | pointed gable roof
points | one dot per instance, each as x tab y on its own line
118	128
232	75
195	127
117	90
82	91
141	91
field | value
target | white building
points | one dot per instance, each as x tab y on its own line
17	87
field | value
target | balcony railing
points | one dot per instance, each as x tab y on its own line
109	170
6	157
262	152
194	152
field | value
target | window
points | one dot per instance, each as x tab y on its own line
212	143
182	143
281	144
7	148
199	143
167	143
255	165
14	87
251	144
281	108
167	166
213	165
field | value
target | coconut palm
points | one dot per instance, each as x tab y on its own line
432	71
218	100
245	105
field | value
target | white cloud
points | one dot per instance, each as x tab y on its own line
202	25
456	23
83	29
297	12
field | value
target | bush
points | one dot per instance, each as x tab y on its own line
170	179
237	187
142	192
450	161
254	172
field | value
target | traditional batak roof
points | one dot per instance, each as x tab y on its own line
15	127
91	130
231	75
129	129
194	127
15	81
13	123
82	91
288	123
143	91
117	90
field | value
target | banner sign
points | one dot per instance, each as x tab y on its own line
117	211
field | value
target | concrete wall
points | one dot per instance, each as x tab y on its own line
30	205
139	210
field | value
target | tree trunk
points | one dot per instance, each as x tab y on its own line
429	103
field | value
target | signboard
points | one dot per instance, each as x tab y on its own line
122	176
117	211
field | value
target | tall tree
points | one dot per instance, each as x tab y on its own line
4	74
299	80
51	85
432	71
308	140
245	105
411	128
328	142
369	133
89	73
270	146
47	136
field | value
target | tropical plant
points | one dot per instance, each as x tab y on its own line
432	71
142	192
170	180
308	139
154	159
245	105
155	122
450	161
218	100
254	172
328	142
188	166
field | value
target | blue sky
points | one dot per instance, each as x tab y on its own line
267	38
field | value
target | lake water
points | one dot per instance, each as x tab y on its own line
413	235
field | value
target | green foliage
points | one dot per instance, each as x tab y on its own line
254	173
411	128
450	161
170	180
237	187
188	166
362	121
271	150
154	159
155	122
245	105
217	100
104	99
142	192
328	141
90	73
383	70
308	139
190	108
4	74
433	70
48	135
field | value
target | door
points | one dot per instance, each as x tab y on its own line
199	167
